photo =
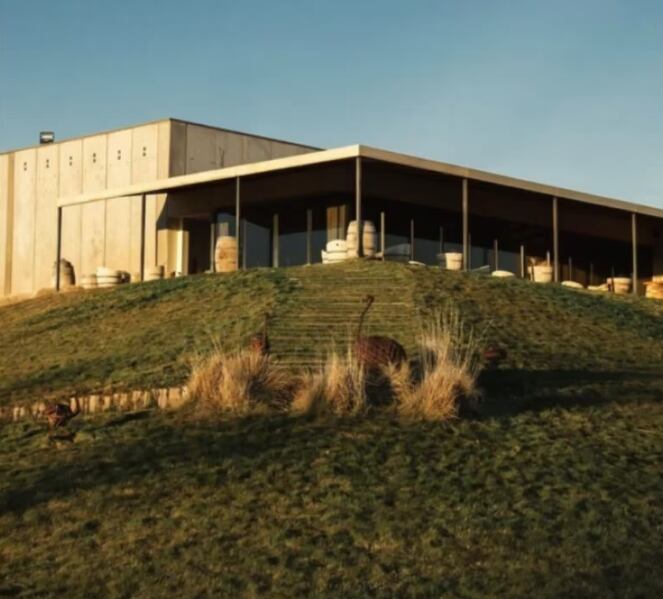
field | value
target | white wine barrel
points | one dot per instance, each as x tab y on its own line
454	261
66	274
225	254
89	281
369	239
336	250
154	273
108	277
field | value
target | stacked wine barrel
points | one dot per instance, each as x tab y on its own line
654	288
369	239
108	277
225	254
335	251
66	274
89	281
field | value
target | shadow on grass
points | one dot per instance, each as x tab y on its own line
125	457
511	391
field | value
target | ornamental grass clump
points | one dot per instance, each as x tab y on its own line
338	388
446	373
240	383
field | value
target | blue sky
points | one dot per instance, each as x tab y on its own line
564	92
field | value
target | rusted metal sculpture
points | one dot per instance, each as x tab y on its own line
375	351
59	414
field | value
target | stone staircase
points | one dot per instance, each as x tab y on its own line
323	310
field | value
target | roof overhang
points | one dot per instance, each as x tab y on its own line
349	152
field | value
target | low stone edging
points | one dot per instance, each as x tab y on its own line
163	399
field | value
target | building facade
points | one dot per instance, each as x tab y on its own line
161	193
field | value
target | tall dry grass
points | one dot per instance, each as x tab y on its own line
338	388
446	374
239	383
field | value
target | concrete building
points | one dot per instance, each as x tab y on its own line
160	193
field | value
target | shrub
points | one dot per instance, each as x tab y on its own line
338	388
238	383
446	374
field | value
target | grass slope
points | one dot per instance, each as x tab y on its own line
143	335
561	501
554	492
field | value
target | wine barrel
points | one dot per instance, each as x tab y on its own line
453	261
89	281
369	239
335	251
225	254
542	273
108	277
66	274
620	285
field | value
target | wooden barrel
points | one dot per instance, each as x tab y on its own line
453	260
89	281
504	274
66	274
654	289
369	239
225	254
542	273
620	285
154	273
108	277
335	251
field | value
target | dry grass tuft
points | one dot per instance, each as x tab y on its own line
447	373
238	383
338	388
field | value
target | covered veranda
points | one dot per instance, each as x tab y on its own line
283	212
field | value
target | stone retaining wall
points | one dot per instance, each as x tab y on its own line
163	399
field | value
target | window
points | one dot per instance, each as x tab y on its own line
71	160
144	151
94	157
119	154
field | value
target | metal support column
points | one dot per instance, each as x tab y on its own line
238	216
555	240
143	222
309	235
58	250
383	222
523	266
634	251
411	239
360	226
212	243
466	225
496	255
441	240
275	241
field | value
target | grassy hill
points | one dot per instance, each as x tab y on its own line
141	336
553	491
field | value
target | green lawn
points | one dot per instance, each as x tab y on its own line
555	490
558	498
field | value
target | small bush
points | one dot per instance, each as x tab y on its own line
338	388
238	383
447	373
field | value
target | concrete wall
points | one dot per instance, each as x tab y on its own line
197	148
102	233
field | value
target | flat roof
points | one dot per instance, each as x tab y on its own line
357	151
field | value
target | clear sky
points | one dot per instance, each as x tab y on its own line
568	92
